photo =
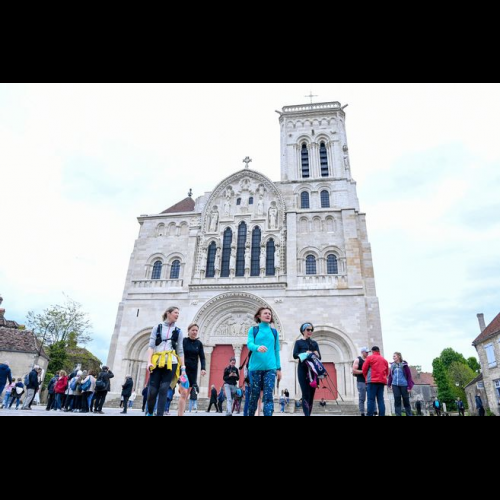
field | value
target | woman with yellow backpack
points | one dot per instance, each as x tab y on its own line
165	360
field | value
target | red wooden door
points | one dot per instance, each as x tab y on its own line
220	361
328	387
244	354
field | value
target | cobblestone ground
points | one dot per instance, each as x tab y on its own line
39	411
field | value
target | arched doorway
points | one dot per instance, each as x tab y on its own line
220	361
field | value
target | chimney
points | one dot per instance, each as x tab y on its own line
482	324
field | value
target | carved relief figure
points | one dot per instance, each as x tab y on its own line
273	216
214	220
203	263
227	207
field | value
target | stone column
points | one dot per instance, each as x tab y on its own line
205	382
237	354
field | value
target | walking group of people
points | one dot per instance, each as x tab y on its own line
16	389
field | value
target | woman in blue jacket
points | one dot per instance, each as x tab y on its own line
265	361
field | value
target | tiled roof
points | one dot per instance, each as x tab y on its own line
491	330
479	378
19	341
186	205
422	378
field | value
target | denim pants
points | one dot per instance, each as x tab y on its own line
402	392
193	405
376	392
262	381
362	397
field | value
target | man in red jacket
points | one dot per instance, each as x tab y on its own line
376	372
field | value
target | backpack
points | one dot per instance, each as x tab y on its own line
256	330
100	385
73	384
27	380
174	338
86	386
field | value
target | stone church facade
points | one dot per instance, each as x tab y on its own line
299	246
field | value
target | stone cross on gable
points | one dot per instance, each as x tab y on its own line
247	160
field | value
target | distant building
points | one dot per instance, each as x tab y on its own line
488	349
476	387
425	386
19	347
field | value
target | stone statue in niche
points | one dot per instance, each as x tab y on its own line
218	262
203	262
263	261
227	207
277	259
273	216
214	220
260	206
248	258
232	261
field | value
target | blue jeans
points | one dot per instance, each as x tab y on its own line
58	405
262	381
6	400
376	391
193	405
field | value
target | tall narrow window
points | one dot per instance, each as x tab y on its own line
250	202
271	251
158	266
238	201
212	253
325	199
332	264
226	253
240	256
306	173
256	239
311	267
175	272
305	200
325	171
490	353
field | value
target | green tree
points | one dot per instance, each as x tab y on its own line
474	365
58	322
460	375
440	374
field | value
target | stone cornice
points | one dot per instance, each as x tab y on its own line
256	286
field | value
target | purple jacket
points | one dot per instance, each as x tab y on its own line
406	371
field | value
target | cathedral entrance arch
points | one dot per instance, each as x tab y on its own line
224	323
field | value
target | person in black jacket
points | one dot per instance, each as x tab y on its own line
32	387
231	381
127	388
213	400
52	392
103	386
193	352
306	346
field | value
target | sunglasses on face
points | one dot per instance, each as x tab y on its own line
310	330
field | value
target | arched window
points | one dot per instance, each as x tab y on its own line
250	202
325	171
226	253
325	199
305	162
240	256
212	253
271	251
311	267
238	201
332	265
157	268
305	200
256	239
175	271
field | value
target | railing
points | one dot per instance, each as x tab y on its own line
330	281
157	283
312	107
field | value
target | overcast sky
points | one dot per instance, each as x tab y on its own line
79	163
